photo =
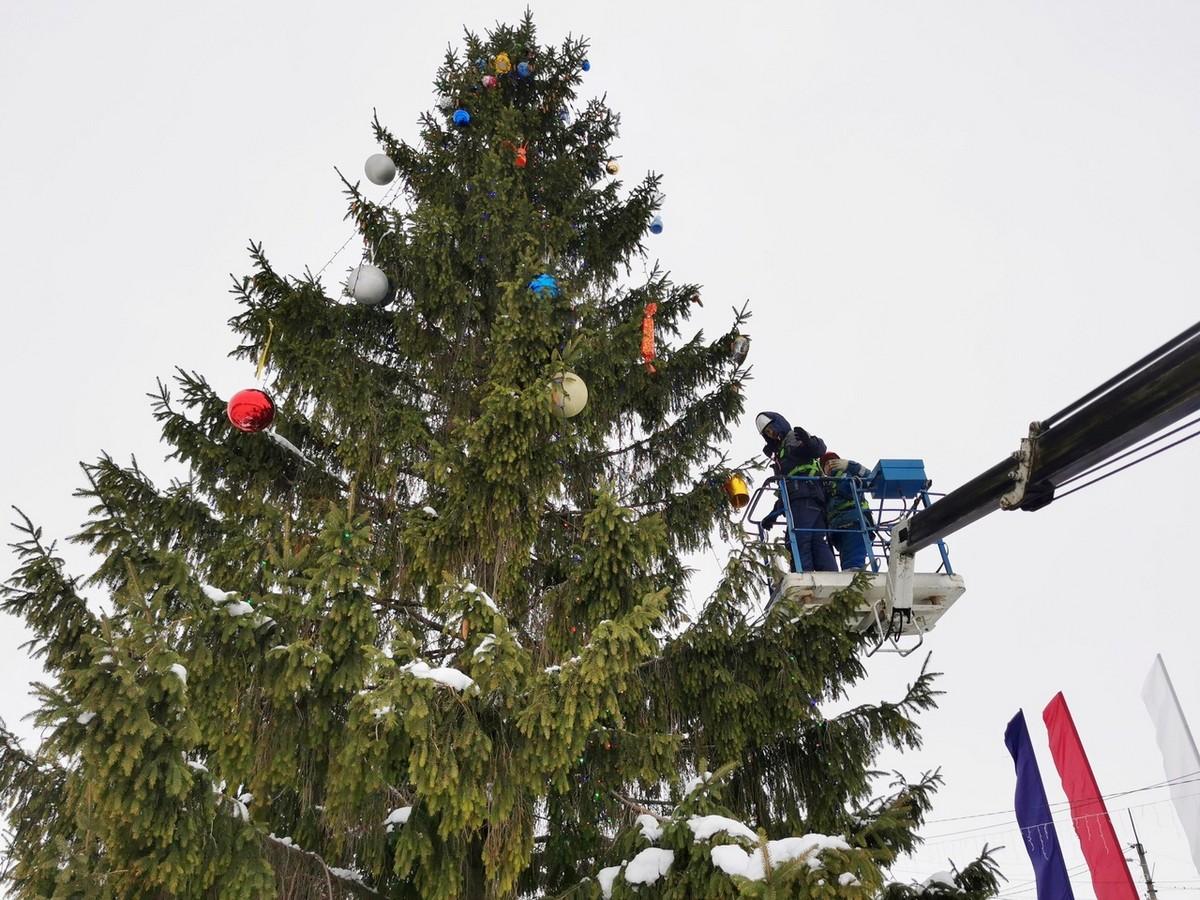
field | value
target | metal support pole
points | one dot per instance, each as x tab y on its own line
1151	894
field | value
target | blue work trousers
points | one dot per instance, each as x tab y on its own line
808	522
851	546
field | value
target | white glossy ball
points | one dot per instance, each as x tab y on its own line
569	395
380	169
368	285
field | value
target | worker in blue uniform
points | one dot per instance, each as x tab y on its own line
795	454
844	492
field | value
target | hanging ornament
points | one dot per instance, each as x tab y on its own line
481	64
446	103
612	167
524	70
568	395
656	225
545	286
739	349
564	115
695	298
737	490
502	64
380	169
586	66
250	410
520	157
648	337
367	284
489	81
462	118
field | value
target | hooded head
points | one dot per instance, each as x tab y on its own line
772	426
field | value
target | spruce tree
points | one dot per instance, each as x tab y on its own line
430	638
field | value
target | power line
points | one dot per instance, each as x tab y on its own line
1186	778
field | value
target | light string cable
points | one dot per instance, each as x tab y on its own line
1137	449
390	196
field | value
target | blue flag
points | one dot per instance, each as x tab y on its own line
1033	815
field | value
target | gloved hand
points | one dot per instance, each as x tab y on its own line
837	466
771	520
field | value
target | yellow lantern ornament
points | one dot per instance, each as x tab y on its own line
502	64
612	167
737	490
568	395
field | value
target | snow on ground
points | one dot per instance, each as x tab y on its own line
651	829
704	827
733	860
397	817
446	675
649	865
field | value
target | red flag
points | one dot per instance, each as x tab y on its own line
1105	858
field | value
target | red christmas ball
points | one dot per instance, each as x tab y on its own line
250	410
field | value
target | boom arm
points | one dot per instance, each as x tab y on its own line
1154	392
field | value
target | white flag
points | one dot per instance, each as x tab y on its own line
1180	759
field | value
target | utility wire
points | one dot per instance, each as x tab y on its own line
1186	778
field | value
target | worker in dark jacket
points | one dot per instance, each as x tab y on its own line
795	454
844	503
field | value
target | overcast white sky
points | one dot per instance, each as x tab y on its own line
951	218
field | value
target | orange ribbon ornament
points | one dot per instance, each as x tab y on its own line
520	153
648	337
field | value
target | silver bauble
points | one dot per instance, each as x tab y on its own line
380	169
367	284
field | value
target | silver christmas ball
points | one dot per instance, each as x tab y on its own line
367	284
380	169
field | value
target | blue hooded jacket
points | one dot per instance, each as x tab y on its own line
797	453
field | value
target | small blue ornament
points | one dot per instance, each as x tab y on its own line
656	225
544	286
586	66
523	69
462	118
481	64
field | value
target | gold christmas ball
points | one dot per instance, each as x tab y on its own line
613	167
502	64
568	395
737	490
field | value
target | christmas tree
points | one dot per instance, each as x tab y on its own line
429	636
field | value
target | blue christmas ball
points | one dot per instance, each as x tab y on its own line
544	286
586	66
656	225
462	117
523	70
481	64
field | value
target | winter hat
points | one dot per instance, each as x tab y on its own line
764	419
826	457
